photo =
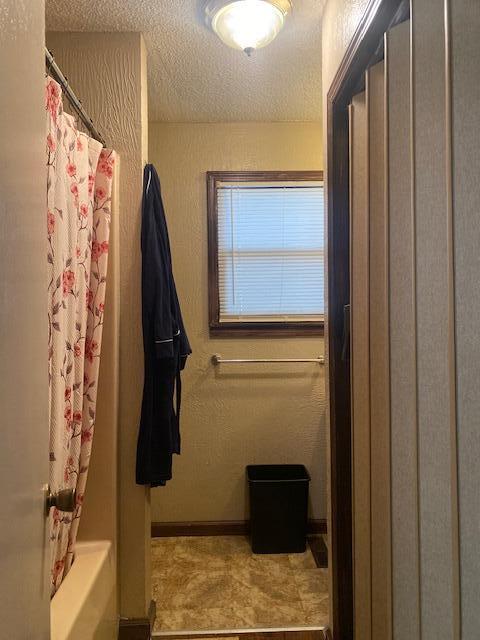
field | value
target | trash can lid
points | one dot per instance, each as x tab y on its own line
277	473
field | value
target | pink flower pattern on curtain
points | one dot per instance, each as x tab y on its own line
79	186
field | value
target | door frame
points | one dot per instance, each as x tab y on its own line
365	48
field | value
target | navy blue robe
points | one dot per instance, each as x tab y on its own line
165	343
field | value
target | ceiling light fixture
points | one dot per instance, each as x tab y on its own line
247	24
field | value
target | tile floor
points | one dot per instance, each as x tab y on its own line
216	583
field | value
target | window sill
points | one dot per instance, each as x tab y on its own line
266	329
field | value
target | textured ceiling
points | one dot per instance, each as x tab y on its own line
194	77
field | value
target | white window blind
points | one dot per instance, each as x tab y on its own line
270	251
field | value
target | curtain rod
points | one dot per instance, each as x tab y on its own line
54	70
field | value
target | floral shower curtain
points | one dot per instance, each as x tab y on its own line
79	186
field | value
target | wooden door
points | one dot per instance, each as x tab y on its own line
370	359
24	564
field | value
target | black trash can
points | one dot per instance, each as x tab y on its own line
278	507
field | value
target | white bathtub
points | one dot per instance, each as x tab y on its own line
84	608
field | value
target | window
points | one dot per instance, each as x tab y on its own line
266	253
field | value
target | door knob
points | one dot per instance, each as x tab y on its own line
63	500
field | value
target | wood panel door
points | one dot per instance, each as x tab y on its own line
360	365
370	359
24	564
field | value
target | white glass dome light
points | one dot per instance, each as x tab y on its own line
247	24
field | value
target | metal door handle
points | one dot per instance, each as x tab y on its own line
346	333
63	500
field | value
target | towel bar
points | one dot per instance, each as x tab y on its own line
217	359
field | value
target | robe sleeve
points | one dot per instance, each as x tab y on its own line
156	290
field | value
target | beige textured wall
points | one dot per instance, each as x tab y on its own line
108	72
339	21
233	416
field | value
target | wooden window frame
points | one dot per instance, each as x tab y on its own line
248	329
